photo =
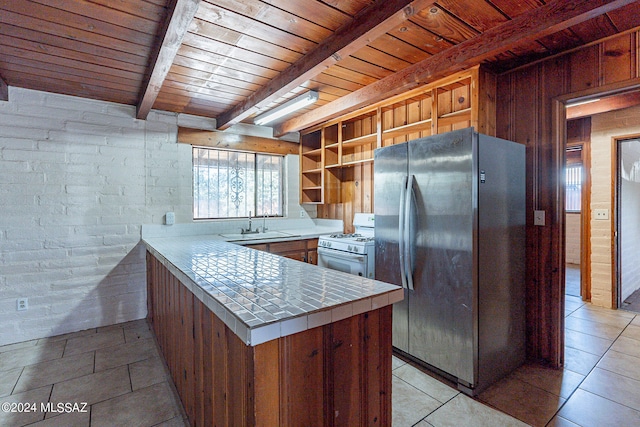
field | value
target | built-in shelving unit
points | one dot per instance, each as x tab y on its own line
459	101
311	168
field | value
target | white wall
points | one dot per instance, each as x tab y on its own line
603	128
630	238
572	244
78	178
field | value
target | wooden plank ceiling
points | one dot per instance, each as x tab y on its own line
232	59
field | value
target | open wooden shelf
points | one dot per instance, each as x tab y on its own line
317	170
407	129
331	152
361	140
357	162
454	117
315	152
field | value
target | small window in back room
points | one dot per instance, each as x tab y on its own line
573	187
232	184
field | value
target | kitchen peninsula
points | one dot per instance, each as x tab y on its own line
252	338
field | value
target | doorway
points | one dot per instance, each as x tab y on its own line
574	171
576	176
627	232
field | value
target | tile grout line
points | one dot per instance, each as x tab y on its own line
564	368
129	373
590	371
555	414
449	400
617	373
13	389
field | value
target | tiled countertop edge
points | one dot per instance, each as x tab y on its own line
260	334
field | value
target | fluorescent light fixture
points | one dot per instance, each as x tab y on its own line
588	101
287	108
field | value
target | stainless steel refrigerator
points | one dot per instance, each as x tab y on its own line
450	229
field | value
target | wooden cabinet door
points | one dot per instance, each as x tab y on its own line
259	246
312	256
305	250
312	251
297	255
289	246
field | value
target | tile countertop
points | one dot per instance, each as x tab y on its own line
262	296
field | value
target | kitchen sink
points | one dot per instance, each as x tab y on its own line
235	237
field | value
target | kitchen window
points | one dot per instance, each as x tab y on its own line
232	184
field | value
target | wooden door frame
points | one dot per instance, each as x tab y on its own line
615	216
585	215
559	141
585	223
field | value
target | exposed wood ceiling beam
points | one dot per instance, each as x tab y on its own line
233	141
178	19
374	21
4	90
555	16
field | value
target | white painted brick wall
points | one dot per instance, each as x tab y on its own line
603	128
78	178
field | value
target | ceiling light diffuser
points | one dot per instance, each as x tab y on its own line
588	101
287	108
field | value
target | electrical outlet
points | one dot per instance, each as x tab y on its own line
22	304
170	218
303	213
601	213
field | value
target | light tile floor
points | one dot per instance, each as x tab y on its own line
572	280
117	371
599	386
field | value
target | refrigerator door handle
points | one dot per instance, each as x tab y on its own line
408	268
401	241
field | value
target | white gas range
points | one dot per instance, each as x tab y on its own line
351	253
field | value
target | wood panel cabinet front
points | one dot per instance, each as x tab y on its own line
304	250
333	375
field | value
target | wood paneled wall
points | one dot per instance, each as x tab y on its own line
356	194
525	113
526	99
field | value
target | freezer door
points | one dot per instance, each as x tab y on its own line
501	255
390	171
442	305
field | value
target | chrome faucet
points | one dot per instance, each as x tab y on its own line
249	230
264	223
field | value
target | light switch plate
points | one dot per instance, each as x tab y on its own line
601	214
170	218
538	218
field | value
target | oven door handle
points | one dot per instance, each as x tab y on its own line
340	254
